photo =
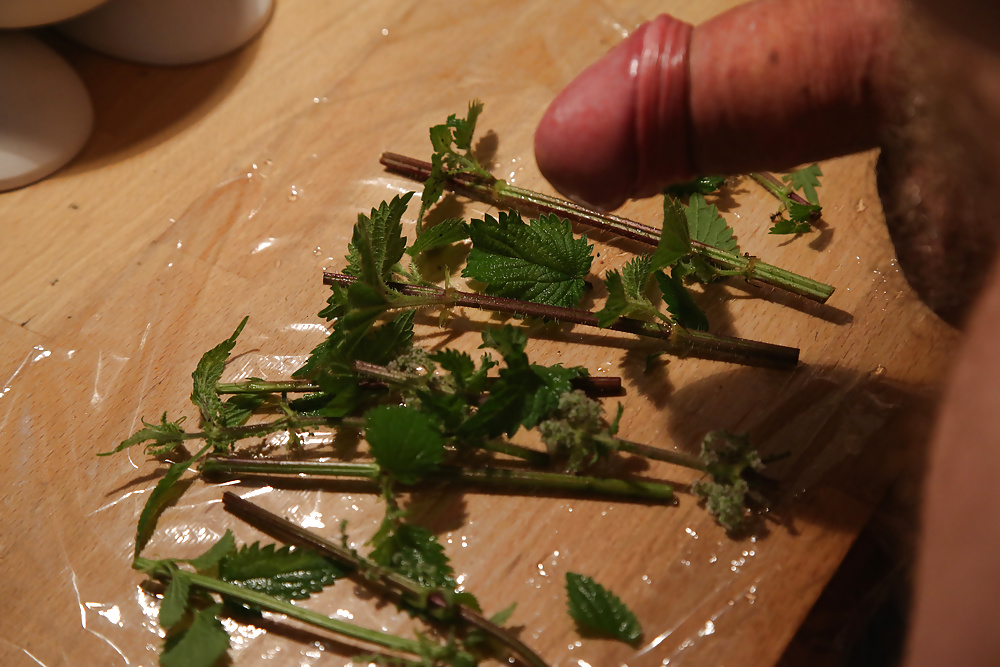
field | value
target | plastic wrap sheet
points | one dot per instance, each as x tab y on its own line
256	243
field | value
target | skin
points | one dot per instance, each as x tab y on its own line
920	79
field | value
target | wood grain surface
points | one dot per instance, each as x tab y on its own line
221	190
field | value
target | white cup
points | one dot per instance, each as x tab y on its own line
169	32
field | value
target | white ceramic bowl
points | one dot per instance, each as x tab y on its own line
45	111
169	32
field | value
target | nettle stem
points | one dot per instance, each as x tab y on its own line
502	477
679	341
780	190
264	601
503	194
592	386
383	579
654	453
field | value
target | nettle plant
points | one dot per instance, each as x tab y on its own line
429	416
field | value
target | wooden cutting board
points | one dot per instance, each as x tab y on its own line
222	190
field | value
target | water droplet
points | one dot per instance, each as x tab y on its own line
294	194
385	32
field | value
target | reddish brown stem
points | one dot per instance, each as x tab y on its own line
680	341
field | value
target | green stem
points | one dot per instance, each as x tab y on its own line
780	191
273	604
503	194
283	424
385	579
679	341
262	387
522	479
531	456
655	453
593	386
785	194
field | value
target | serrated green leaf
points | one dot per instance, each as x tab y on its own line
806	180
237	410
207	374
286	573
378	242
403	441
627	293
159	498
433	187
215	553
708	226
524	393
336	303
163	435
465	128
783	225
597	610
444	233
703	185
802	213
680	305
414	552
556	380
540	262
675	239
175	599
635	277
616	303
441	137
385	342
200	645
459	364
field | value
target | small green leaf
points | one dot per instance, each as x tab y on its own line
503	615
802	213
238	409
403	441
783	225
159	498
414	552
444	233
540	261
702	185
385	342
164	435
708	226
556	381
378	242
225	546
286	573
675	239
175	599
207	374
465	128
599	611
200	645
433	186
680	305
617	302
627	293
806	180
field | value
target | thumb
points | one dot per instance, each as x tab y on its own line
767	85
